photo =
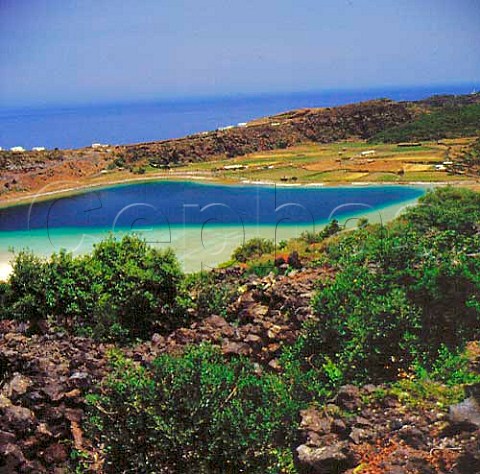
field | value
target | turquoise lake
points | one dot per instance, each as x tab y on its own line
203	223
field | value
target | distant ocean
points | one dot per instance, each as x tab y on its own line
79	126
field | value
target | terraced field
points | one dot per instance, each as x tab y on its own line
341	162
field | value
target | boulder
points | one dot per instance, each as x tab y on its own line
55	454
348	397
17	386
334	458
12	457
19	418
465	414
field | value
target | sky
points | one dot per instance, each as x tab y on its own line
91	51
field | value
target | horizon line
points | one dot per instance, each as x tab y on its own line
187	98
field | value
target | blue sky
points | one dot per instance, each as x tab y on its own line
58	51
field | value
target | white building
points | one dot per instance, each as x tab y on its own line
38	148
367	153
99	145
17	149
235	167
241	124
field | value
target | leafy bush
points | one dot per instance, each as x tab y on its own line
253	248
194	413
400	293
447	208
366	327
4	299
123	287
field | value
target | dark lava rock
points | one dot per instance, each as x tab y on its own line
19	418
357	435
413	436
348	397
466	414
17	386
11	457
312	421
340	427
6	437
469	461
55	454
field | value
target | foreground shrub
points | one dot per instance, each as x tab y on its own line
194	413
123	288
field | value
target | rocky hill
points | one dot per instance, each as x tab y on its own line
359	121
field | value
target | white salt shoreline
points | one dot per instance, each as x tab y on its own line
5	270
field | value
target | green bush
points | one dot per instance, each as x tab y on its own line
124	287
194	413
4	299
253	248
210	295
447	208
365	327
400	294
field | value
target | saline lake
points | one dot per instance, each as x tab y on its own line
203	223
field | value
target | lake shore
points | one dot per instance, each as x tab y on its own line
197	247
31	198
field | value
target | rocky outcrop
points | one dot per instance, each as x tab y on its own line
42	399
381	435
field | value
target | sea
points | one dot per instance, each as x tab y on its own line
70	126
